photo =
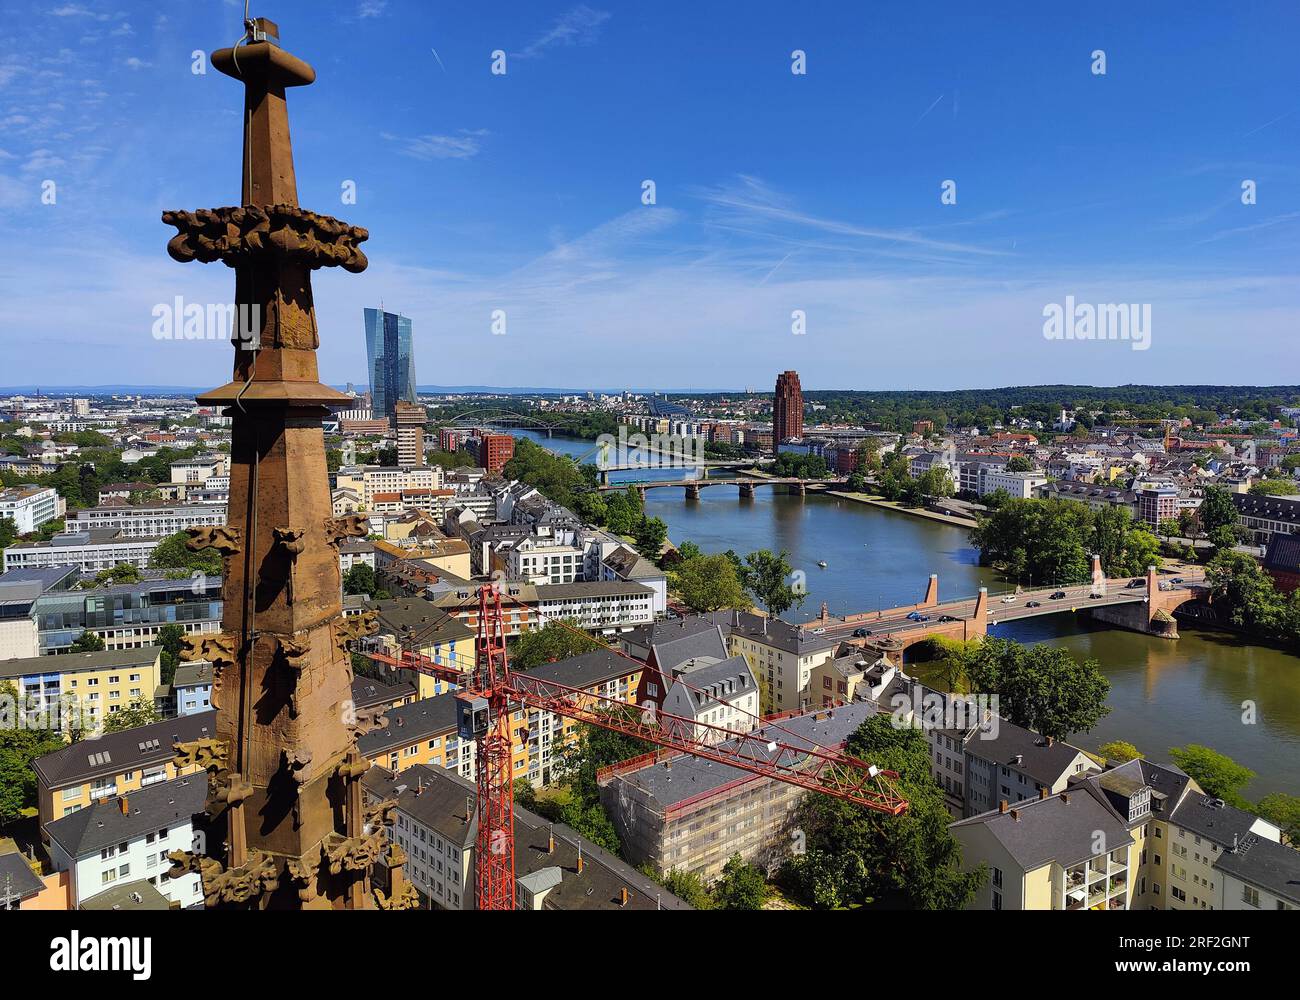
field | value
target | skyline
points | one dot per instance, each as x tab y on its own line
774	192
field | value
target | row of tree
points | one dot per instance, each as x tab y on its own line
1050	541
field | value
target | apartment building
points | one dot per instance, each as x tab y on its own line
424	731
195	471
367	480
676	811
191	689
82	690
417	625
1096	496
608	606
30	506
1009	763
81	774
155	520
90	551
435	824
547	558
1020	485
715	694
628	565
781	655
1136	836
127	838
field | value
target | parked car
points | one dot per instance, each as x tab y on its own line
1059	595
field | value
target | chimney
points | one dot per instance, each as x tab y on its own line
469	806
581	864
1042	793
550	839
1015	815
1065	797
122	803
1002	806
622	896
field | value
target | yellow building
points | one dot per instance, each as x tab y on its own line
415	624
81	690
89	770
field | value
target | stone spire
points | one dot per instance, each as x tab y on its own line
284	769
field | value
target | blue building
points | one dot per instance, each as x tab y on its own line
390	353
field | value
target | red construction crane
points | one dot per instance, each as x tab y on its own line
489	692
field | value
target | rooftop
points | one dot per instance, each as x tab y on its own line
118	819
67	663
113	753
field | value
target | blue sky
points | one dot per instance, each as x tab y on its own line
775	192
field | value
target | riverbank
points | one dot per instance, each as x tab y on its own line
879	501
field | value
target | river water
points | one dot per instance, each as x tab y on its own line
1197	689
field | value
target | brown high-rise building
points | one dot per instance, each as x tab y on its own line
494	451
409	418
288	828
787	409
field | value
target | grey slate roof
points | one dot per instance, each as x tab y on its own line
17	877
69	662
421	719
1265	864
714	682
128	750
122	897
164	804
1043	760
367	691
683	776
1060	828
673	650
192	675
1213	819
586	669
434	797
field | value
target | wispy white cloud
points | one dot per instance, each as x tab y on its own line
578	26
462	146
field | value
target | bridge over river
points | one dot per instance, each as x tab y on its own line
747	485
1121	602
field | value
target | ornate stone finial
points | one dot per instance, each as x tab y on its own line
224	538
355	627
351	526
206	754
241	235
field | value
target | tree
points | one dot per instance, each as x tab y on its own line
1284	811
650	535
1274	488
856	856
360	579
741	887
552	642
139	713
1218	774
1217	509
1019	463
87	642
624	511
1119	752
1040	687
708	583
19	746
119	573
1169	527
686	886
766	577
172	553
583	752
172	639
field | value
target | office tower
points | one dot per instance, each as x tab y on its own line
391	355
410	434
787	410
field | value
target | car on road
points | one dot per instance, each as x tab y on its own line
819	631
859	633
914	616
1059	595
1009	599
1136	584
1096	595
1177	579
949	618
1034	604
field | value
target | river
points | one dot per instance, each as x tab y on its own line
1164	693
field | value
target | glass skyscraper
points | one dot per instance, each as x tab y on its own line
391	355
